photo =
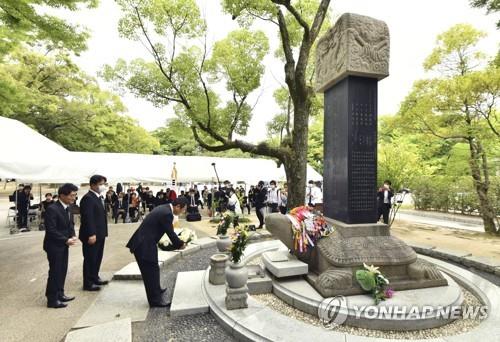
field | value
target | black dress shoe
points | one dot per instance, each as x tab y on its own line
65	298
92	287
56	305
160	304
101	282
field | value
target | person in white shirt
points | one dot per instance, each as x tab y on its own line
317	196
233	205
309	195
273	197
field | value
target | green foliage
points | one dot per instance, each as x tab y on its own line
366	280
315	150
176	138
22	21
240	242
225	222
492	6
52	95
458	107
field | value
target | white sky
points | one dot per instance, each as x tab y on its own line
413	27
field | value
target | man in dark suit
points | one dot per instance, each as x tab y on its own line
384	201
93	232
144	246
59	235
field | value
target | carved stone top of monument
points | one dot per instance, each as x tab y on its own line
355	45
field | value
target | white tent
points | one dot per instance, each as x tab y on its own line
28	156
134	168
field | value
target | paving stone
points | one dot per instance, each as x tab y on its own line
116	331
260	285
129	272
255	249
190	249
280	269
116	300
188	296
205	242
166	257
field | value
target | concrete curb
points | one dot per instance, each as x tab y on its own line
488	265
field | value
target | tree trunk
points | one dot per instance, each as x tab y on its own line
482	185
296	164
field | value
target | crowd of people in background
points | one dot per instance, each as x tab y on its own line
132	203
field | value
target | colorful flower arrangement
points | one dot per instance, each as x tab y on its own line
372	280
308	228
240	240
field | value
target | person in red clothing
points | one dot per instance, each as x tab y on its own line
172	195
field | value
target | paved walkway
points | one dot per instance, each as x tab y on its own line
441	220
23	270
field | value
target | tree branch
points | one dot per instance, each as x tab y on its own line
157	58
295	13
287	49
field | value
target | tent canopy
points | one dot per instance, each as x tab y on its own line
28	156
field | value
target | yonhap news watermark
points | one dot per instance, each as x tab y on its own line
334	312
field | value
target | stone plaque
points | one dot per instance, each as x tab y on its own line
356	45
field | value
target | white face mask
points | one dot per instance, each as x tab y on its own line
102	188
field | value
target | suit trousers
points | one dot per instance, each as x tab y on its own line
92	258
58	268
150	272
260	215
383	210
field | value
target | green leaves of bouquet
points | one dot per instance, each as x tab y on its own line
240	241
225	223
371	280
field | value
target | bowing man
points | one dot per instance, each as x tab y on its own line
59	235
143	244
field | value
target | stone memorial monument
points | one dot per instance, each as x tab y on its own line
351	57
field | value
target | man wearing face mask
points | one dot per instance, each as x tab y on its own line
93	232
384	200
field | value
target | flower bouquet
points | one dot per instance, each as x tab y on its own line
307	227
240	241
226	219
370	279
185	235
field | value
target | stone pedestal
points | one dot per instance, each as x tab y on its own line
236	298
217	274
336	258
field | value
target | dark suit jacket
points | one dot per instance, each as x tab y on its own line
380	196
93	216
59	227
145	239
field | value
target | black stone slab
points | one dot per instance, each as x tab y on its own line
350	151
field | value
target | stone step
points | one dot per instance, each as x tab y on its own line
115	301
116	331
188	298
167	257
205	242
129	272
283	264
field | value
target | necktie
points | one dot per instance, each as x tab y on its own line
68	213
102	201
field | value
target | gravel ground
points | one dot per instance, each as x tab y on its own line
160	327
203	327
454	328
